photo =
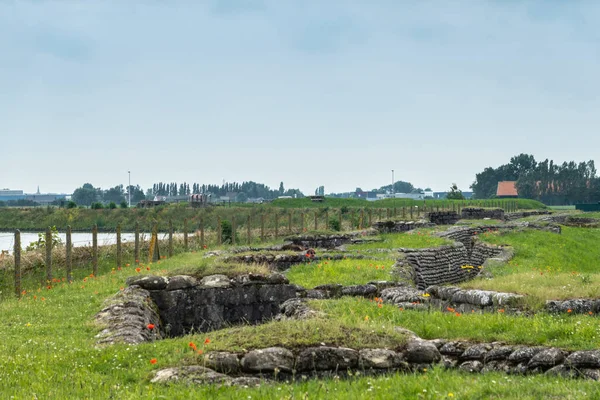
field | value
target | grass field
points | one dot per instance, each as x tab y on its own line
49	350
547	265
36	219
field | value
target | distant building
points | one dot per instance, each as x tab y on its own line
507	189
412	196
8	195
46	199
40	198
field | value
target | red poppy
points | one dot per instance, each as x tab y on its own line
192	345
206	341
150	326
153	361
137	269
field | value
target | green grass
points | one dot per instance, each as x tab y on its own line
49	350
35	219
547	265
419	239
293	334
577	332
345	272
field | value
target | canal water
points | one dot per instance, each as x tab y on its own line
79	239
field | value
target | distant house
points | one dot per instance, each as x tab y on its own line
507	189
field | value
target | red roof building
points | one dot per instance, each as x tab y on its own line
507	189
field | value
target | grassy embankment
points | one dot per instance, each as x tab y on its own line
547	265
36	219
49	348
49	352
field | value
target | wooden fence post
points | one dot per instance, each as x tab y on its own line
276	225
411	212
202	244
136	249
262	227
17	255
68	255
388	213
95	250
302	222
316	221
119	248
233	229
48	255
290	222
340	220
249	230
379	214
185	235
370	216
395	214
170	249
326	220
155	250
362	218
219	231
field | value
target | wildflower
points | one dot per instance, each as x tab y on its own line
457	314
450	394
366	317
153	361
193	346
206	341
205	247
569	311
150	326
127	265
147	268
590	313
379	305
137	261
138	269
426	295
501	310
200	351
450	309
43	299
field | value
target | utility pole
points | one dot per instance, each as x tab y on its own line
129	188
393	196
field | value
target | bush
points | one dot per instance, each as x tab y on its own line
226	231
112	205
97	206
123	204
71	204
334	224
344	210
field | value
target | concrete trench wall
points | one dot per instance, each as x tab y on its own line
181	304
443	217
482	213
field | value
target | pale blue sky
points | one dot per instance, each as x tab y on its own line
311	92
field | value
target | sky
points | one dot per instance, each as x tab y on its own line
308	92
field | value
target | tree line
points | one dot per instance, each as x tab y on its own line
545	181
87	194
241	191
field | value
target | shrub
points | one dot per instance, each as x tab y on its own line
97	206
71	204
123	204
226	231
334	224
112	205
